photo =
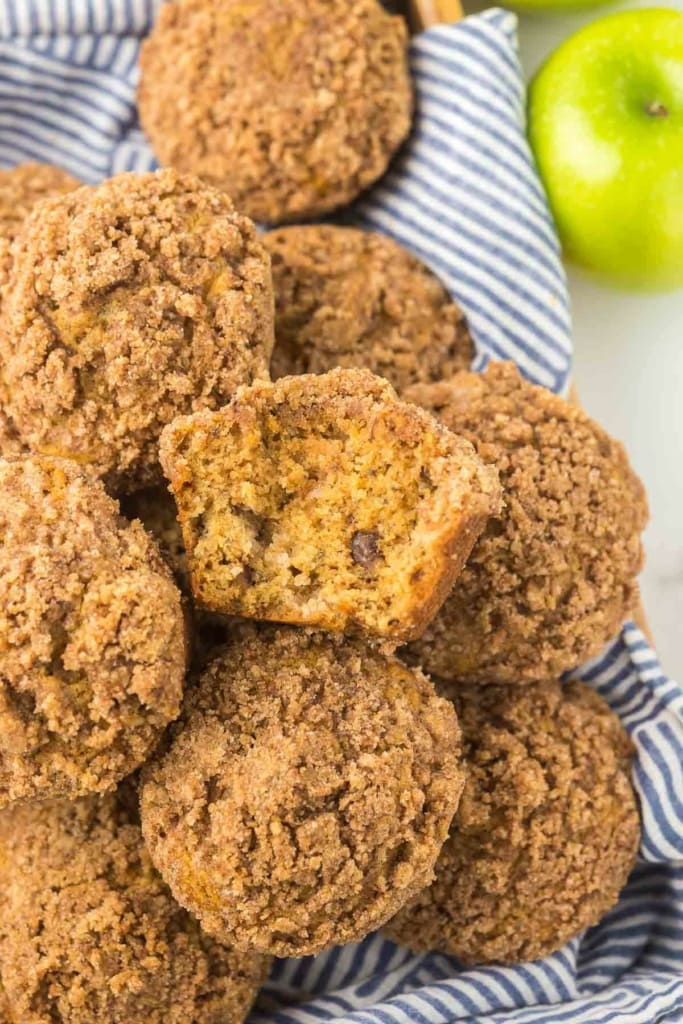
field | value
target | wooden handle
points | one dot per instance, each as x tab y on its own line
641	622
425	13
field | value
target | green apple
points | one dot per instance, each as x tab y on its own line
606	128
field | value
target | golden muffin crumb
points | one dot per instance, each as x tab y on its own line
546	832
129	303
293	108
21	187
351	298
92	640
324	501
306	793
551	580
91	934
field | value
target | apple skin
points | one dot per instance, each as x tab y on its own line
606	128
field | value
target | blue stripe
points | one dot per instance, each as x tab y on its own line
465	236
518	336
534	248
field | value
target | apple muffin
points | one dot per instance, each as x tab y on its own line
92	638
546	832
306	792
551	580
21	187
292	108
351	298
90	933
129	303
323	500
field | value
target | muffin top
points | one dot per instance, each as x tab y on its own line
21	187
92	639
306	792
292	107
90	932
129	303
551	580
351	298
546	832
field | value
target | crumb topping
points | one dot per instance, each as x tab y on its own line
306	793
292	108
92	639
130	303
546	832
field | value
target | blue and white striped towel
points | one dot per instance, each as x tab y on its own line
465	196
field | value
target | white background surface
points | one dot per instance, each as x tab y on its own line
629	372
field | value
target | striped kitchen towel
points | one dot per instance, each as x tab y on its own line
465	196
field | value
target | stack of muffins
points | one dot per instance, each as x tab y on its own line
250	495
